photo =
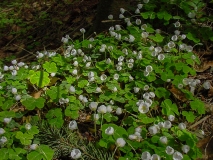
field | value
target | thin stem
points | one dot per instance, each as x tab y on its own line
114	151
102	118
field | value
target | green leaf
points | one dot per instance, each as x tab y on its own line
39	78
50	67
198	105
31	103
157	38
192	37
144	119
82	83
70	79
190	117
59	60
7	104
4	153
164	15
26	139
162	92
102	65
155	139
72	111
168	108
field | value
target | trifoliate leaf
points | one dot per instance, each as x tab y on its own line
50	67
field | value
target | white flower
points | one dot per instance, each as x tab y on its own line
91	74
75	154
177	32
7	120
180	86
118	68
108	61
73	125
137	11
109	131
139	56
28	126
115	89
171	44
146	87
93	106
161	124
143	108
95	117
174	38
138	129
110	16
82	30
75	63
182	126
169	150
152	94
146	155
80	97
116	76
14	62
161	57
201	132
185	148
191	15
171	118
84	100
14	72
109	108
144	34
103	77
121	16
206	85
88	64
164	140
18	97
154	129
75	72
2	131
155	157
98	89
140	6
118	111
177	156
149	68
52	74
102	109
6	68
72	89
132	137
122	10
167	124
120	59
120	142
3	139
33	146
131	38
130	65
177	24
63	39
138	21
136	89
131	78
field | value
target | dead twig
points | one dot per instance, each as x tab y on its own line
200	121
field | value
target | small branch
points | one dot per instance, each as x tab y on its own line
199	122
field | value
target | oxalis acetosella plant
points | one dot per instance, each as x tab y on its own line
124	79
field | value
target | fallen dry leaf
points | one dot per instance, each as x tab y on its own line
177	93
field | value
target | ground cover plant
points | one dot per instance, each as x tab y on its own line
124	81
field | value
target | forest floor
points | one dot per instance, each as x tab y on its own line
64	18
